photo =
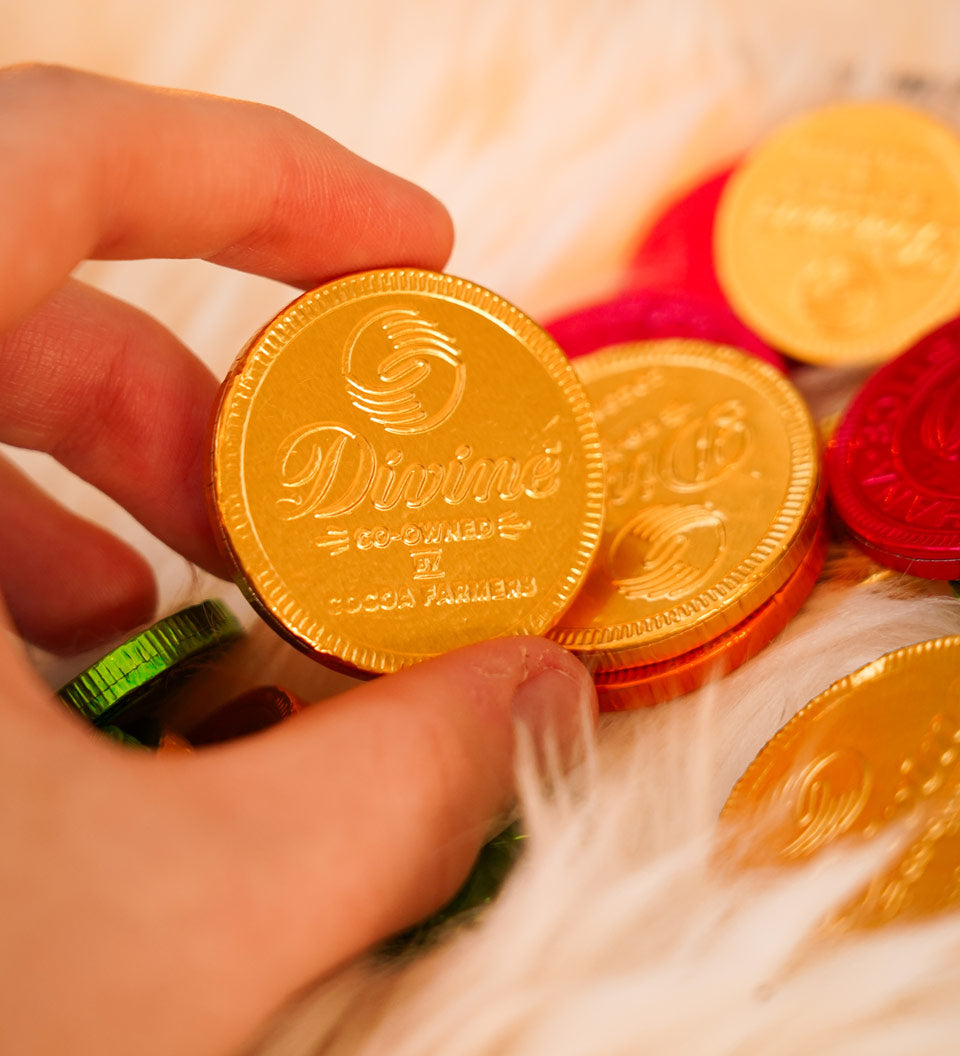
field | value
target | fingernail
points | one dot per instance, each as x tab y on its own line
554	705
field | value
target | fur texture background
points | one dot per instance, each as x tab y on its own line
554	131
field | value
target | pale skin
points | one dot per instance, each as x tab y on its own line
161	904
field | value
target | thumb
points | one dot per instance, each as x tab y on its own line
370	807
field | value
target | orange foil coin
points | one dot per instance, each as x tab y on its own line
712	468
404	463
637	687
838	239
879	747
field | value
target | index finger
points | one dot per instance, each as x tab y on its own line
94	167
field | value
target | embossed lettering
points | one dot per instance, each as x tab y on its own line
483	475
325	470
702	450
908	242
684	453
925	771
480	479
465	592
897	498
392	599
427	533
415	485
426	564
329	470
640	385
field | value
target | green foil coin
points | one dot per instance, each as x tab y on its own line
120	684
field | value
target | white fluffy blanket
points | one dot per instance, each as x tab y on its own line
554	130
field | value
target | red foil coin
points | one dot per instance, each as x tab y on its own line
678	250
893	464
914	566
647	315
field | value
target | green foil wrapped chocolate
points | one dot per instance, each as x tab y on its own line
118	688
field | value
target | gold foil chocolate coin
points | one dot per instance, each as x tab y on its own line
712	482
404	463
838	240
649	684
880	746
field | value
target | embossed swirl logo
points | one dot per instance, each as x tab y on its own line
830	795
666	552
402	371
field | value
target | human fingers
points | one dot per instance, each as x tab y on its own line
95	167
121	402
68	583
261	863
372	805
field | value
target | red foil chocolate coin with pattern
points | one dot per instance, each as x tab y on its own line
648	315
893	465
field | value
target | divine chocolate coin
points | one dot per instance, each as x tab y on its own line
636	687
122	684
879	746
838	240
893	463
647	315
677	250
404	463
712	475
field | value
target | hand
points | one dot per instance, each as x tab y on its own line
160	904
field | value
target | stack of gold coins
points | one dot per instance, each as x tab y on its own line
403	463
714	529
